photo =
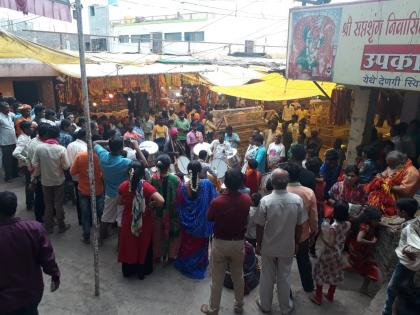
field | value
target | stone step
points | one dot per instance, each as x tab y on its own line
377	304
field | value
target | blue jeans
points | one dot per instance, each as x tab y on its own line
87	212
400	275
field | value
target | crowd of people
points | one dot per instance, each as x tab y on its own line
282	202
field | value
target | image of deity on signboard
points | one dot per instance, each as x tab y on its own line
313	41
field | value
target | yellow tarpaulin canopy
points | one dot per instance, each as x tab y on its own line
15	47
275	87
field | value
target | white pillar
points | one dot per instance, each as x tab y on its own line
358	121
411	105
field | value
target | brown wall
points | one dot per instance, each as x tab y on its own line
47	93
6	87
45	89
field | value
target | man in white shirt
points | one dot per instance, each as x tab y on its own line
408	251
276	153
7	141
50	161
39	196
131	153
279	219
205	167
21	154
21	151
220	149
77	146
50	118
73	149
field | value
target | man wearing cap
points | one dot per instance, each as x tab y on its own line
173	147
25	110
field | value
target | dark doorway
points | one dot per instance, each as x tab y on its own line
26	91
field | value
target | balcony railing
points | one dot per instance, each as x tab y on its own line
169	18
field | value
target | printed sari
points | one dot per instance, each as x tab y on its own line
351	194
192	259
379	189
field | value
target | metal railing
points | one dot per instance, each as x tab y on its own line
161	18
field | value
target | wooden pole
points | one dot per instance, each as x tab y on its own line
91	173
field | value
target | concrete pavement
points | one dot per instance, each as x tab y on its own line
165	292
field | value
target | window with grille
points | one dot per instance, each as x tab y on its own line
194	36
123	39
143	38
173	37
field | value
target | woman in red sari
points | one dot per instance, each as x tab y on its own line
135	244
360	253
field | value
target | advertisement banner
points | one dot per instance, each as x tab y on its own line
367	43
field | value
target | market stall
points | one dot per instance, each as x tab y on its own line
137	93
243	121
325	106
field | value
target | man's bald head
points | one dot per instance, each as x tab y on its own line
279	178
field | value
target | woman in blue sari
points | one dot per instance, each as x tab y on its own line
193	200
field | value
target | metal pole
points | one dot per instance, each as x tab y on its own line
89	144
323	92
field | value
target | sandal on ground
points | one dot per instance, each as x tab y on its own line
315	300
238	309
205	308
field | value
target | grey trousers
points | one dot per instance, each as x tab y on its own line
276	270
54	200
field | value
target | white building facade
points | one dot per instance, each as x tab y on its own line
194	33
